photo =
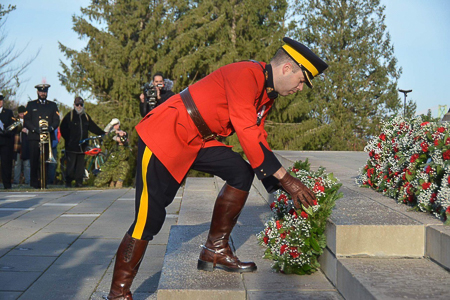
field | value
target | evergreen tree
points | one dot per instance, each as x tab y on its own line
130	40
358	89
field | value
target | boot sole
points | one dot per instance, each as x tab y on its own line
209	266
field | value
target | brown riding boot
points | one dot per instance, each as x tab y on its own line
128	259
216	253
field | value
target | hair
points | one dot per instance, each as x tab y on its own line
79	99
158	74
281	57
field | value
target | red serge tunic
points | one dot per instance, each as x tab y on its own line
229	100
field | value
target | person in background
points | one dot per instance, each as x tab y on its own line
75	127
37	110
116	167
21	151
163	92
6	143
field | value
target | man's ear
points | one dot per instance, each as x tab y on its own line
287	67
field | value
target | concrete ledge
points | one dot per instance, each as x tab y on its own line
438	244
366	278
180	277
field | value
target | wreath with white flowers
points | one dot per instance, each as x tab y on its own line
296	238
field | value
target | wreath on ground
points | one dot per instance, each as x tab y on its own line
410	162
296	238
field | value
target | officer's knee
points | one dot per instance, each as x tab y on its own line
243	178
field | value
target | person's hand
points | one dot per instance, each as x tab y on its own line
120	132
142	98
24	130
299	192
158	92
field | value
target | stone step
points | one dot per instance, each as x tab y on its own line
181	279
371	278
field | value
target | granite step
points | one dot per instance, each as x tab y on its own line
181	279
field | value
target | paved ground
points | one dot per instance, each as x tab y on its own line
61	244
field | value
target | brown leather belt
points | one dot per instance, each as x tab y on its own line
195	115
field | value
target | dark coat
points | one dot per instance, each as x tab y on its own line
75	127
37	111
7	118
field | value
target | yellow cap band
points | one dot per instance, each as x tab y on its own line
301	60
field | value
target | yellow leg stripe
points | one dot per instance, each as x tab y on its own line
143	203
301	60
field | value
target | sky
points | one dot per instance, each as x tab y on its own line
419	30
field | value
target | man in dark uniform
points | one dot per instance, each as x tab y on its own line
6	143
163	92
75	127
179	135
40	109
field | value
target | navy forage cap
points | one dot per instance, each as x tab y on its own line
310	63
1	97
43	87
21	109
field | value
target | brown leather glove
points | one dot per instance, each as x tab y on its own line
298	191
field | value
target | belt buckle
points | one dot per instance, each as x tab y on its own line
209	137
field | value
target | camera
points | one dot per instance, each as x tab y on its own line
150	94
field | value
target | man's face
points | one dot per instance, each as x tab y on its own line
158	80
117	126
290	82
78	106
1	103
21	115
42	95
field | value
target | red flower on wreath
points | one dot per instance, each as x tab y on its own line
448	180
414	157
424	146
426	185
283	235
446	155
294	213
441	129
283	249
266	240
383	137
436	142
433	197
424	123
428	169
283	198
272	205
294	252
447	141
304	215
278	224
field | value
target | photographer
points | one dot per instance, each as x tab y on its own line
155	93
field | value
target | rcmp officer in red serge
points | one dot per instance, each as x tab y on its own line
36	110
179	135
